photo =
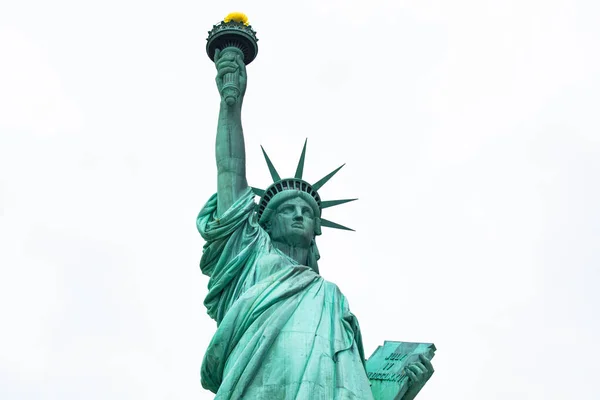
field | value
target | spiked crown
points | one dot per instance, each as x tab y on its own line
298	184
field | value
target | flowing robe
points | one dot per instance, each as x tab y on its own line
283	332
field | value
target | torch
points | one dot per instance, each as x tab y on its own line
232	35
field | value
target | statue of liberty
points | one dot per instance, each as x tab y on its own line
283	332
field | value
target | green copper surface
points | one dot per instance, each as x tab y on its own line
332	203
330	224
232	33
388	368
326	178
283	332
274	174
300	167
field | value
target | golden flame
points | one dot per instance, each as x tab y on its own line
237	17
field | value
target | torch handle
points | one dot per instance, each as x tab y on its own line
230	91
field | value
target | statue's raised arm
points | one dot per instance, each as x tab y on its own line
230	149
283	331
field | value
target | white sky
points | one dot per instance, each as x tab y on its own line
471	133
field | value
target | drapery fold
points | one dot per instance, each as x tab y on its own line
283	331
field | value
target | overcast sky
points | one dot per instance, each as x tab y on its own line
471	135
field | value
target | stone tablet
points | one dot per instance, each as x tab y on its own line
386	367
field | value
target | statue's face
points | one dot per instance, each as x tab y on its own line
293	223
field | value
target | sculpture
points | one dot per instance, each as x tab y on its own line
283	332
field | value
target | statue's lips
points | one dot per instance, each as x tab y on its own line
298	225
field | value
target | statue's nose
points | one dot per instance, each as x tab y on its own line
298	215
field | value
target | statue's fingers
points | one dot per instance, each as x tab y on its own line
427	363
225	70
229	56
412	375
225	63
217	53
225	60
421	367
417	371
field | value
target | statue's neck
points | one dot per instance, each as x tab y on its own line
299	254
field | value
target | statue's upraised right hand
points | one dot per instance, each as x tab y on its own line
230	62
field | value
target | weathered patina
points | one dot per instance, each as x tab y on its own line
283	332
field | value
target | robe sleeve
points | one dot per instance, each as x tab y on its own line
229	252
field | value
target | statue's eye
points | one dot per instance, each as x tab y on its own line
287	210
307	212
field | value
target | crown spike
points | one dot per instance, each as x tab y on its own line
330	224
258	192
300	168
324	180
272	169
332	203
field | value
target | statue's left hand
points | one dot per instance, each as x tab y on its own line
418	373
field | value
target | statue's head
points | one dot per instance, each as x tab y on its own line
290	209
292	217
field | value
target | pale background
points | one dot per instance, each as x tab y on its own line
471	133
